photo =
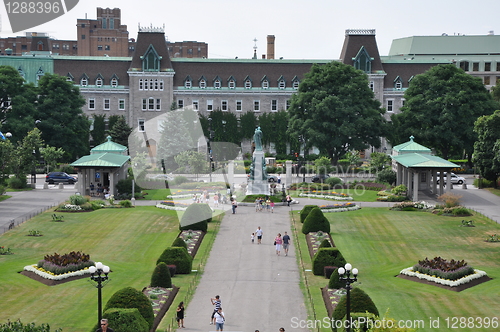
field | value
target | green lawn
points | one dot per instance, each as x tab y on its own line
356	194
128	240
380	243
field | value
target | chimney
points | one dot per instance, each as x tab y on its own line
270	46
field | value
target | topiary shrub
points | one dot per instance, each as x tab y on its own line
316	221
78	199
126	204
172	269
161	276
196	217
179	242
305	212
179	257
126	320
129	297
325	244
360	303
334	282
326	257
333	181
124	186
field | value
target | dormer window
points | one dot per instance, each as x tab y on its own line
231	84
39	73
188	84
69	77
84	81
295	83
151	60
281	83
248	83
203	84
363	61
21	72
398	83
217	84
114	82
265	84
98	82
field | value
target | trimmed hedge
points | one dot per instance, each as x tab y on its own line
179	242
161	276
334	282
360	303
326	257
196	217
179	257
325	244
126	320
316	221
305	212
129	297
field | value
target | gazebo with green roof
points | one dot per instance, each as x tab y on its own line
106	165
416	167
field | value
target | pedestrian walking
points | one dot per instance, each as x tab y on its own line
217	303
268	205
286	243
257	204
278	241
288	199
272	207
219	320
216	200
104	326
259	233
180	315
234	204
252	237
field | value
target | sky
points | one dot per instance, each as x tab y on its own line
313	29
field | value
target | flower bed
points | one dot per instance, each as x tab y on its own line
331	297
171	205
5	251
193	240
477	274
161	300
336	198
329	193
51	279
339	207
314	239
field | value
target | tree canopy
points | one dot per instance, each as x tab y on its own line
335	111
487	146
441	107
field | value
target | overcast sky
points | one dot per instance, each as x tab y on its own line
312	29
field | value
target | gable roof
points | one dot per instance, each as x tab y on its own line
357	39
411	147
109	146
145	39
107	159
418	160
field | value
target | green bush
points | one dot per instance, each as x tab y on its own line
196	217
325	244
326	257
386	175
126	204
333	181
129	297
316	221
126	320
179	242
461	211
77	199
97	204
180	179
305	212
18	326
17	183
334	282
2	190
179	257
124	186
161	276
360	303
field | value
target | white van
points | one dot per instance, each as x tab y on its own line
455	179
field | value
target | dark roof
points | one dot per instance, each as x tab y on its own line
354	41
144	40
92	67
405	71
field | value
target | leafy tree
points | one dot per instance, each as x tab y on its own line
195	161
25	154
335	111
51	154
120	131
6	158
322	165
248	123
11	85
486	149
378	161
441	107
99	129
63	124
495	91
353	157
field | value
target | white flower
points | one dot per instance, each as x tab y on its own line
337	198
452	283
344	209
169	207
34	269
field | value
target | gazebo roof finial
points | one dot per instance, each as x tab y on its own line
411	138
109	138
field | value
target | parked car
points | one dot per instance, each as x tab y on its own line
60	177
319	178
272	179
455	179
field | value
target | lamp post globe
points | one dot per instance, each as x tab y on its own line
347	279
99	277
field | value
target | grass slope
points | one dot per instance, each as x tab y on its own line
128	240
380	243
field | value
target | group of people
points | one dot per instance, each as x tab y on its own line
101	191
262	203
217	316
279	241
204	197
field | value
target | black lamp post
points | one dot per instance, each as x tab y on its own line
210	158
99	275
345	276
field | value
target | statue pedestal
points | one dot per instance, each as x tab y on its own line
259	184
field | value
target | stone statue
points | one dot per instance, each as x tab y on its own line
257	138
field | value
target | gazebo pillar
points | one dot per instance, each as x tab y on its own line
415	186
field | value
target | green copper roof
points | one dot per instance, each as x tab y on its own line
109	146
423	160
106	159
410	147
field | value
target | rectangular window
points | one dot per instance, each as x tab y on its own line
390	104
99	47
111	23
210	105
107	47
287	103
464	65
141	85
239	105
141	125
487	66
144	104
106	104
498	66
180	103
91	103
195	104
475	66
104	25
223	105
151	104
372	85
274	105
256	105
83	36
158	104
486	80
121	104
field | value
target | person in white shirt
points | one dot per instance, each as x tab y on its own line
219	320
258	232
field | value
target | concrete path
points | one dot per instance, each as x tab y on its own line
259	290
